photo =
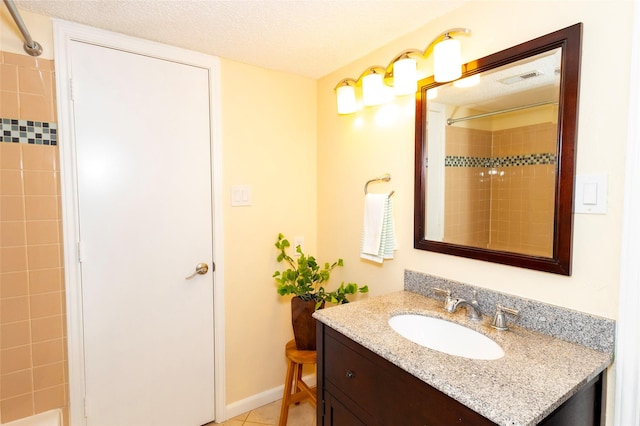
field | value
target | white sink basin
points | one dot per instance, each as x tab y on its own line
445	336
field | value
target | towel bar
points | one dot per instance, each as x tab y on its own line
385	178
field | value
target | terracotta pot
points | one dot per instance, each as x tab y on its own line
304	325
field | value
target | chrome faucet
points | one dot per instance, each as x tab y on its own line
473	309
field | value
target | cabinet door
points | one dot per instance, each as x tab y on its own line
583	409
337	414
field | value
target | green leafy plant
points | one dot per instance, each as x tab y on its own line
305	277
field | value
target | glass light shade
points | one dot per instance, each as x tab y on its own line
373	89
346	98
405	76
447	60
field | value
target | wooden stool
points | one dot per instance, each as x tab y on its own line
294	382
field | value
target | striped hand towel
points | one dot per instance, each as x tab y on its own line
379	235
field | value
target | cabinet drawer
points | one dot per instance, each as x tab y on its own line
351	374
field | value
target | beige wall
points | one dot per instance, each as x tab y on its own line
39	27
269	137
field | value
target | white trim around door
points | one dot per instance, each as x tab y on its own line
627	370
64	33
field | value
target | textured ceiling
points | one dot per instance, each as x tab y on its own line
306	37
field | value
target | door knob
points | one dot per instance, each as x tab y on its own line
201	269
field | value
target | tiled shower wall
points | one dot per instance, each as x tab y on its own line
467	187
500	188
523	189
33	360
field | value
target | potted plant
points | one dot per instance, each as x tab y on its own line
304	279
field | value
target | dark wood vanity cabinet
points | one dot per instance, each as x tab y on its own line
358	387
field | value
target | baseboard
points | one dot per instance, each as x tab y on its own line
263	398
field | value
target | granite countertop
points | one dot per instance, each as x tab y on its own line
537	374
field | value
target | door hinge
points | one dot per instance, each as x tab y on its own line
85	407
80	251
71	91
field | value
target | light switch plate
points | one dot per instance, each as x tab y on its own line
240	195
591	194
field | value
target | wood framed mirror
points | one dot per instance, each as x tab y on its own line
495	156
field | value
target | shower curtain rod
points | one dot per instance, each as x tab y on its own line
32	47
451	121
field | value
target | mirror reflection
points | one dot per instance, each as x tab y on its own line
491	157
495	156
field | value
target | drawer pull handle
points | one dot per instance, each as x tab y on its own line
351	374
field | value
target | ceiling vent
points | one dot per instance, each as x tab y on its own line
521	77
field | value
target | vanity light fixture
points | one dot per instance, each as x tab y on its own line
402	73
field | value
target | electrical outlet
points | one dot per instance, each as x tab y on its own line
298	241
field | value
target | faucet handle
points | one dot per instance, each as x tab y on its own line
447	294
442	292
500	321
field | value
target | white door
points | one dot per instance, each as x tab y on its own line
143	156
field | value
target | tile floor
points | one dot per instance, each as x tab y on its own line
303	414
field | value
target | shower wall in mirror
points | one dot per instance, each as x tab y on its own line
499	158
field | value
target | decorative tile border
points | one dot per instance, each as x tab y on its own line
458	161
28	131
578	327
509	161
525	160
